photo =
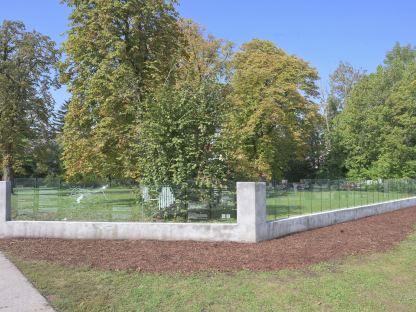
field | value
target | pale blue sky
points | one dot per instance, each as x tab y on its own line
322	32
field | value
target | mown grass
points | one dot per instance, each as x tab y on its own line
121	204
372	282
112	204
288	204
98	204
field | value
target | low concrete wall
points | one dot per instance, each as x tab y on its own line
121	230
251	223
249	195
278	228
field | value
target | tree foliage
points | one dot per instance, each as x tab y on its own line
179	136
27	73
204	56
272	115
117	52
182	120
155	99
342	81
377	128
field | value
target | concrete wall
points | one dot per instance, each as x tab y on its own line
278	228
249	195
251	209
121	230
251	223
5	202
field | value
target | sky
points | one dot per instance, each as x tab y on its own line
322	32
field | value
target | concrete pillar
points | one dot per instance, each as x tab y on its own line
5	202
251	210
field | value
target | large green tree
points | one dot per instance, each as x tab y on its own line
341	83
272	114
27	73
179	134
117	53
182	120
377	127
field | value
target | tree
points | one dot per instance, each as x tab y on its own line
179	136
182	120
44	153
118	52
204	56
27	63
272	115
59	118
376	128
341	82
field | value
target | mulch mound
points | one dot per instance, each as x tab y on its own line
334	242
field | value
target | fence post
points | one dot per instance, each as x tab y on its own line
5	201
5	206
251	210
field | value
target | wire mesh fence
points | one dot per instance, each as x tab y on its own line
57	200
310	196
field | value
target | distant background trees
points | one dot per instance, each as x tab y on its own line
376	129
156	99
341	82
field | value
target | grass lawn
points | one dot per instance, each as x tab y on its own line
98	204
121	204
112	204
287	204
371	282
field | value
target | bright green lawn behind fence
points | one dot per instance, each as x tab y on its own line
112	204
122	203
287	204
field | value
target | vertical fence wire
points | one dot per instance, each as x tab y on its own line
311	196
35	198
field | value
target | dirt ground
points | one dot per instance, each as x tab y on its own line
375	233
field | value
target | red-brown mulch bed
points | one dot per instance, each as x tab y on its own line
334	242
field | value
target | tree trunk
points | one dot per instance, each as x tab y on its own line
7	169
8	173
